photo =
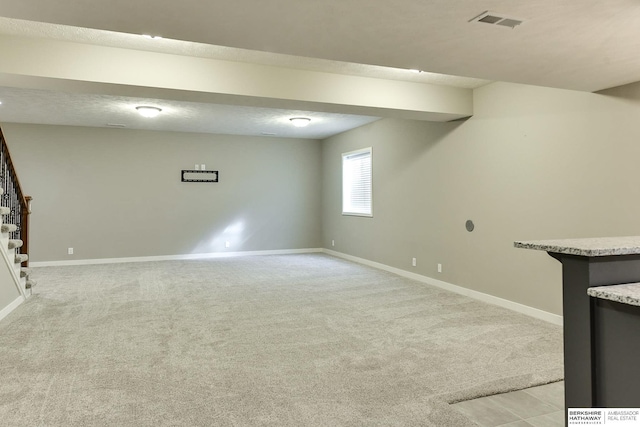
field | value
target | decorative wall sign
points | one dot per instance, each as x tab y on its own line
199	176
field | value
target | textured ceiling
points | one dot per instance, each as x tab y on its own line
588	45
24	105
60	108
180	47
583	45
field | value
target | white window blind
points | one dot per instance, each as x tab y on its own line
356	183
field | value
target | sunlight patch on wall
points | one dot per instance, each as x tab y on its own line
229	239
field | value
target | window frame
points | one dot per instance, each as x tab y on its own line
368	152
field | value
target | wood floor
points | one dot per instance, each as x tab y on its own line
541	406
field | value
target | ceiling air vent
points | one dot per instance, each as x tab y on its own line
493	18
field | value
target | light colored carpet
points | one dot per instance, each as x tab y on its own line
292	340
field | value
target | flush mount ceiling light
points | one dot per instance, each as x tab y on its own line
300	122
146	111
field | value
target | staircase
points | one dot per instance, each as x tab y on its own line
10	250
15	207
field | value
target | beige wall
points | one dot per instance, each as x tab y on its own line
111	193
532	163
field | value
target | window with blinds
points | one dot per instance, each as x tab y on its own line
356	183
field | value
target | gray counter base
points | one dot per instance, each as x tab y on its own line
617	348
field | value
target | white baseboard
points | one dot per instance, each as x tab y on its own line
171	257
520	308
8	309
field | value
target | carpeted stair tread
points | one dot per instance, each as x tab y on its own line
30	284
15	243
4	210
8	228
20	258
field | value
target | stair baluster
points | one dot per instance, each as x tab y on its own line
14	199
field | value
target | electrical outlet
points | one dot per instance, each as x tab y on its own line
333	243
439	268
414	262
227	244
70	251
196	167
202	168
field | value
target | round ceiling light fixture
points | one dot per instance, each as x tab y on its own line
300	122
147	111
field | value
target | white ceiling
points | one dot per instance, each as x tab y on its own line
73	109
583	45
24	105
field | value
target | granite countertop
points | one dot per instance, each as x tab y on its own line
626	294
597	246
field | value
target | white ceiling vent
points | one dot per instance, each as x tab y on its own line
493	18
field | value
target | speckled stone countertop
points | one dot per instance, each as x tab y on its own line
597	246
626	294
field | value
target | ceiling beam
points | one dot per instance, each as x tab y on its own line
86	68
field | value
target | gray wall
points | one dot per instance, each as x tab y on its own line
112	193
532	163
